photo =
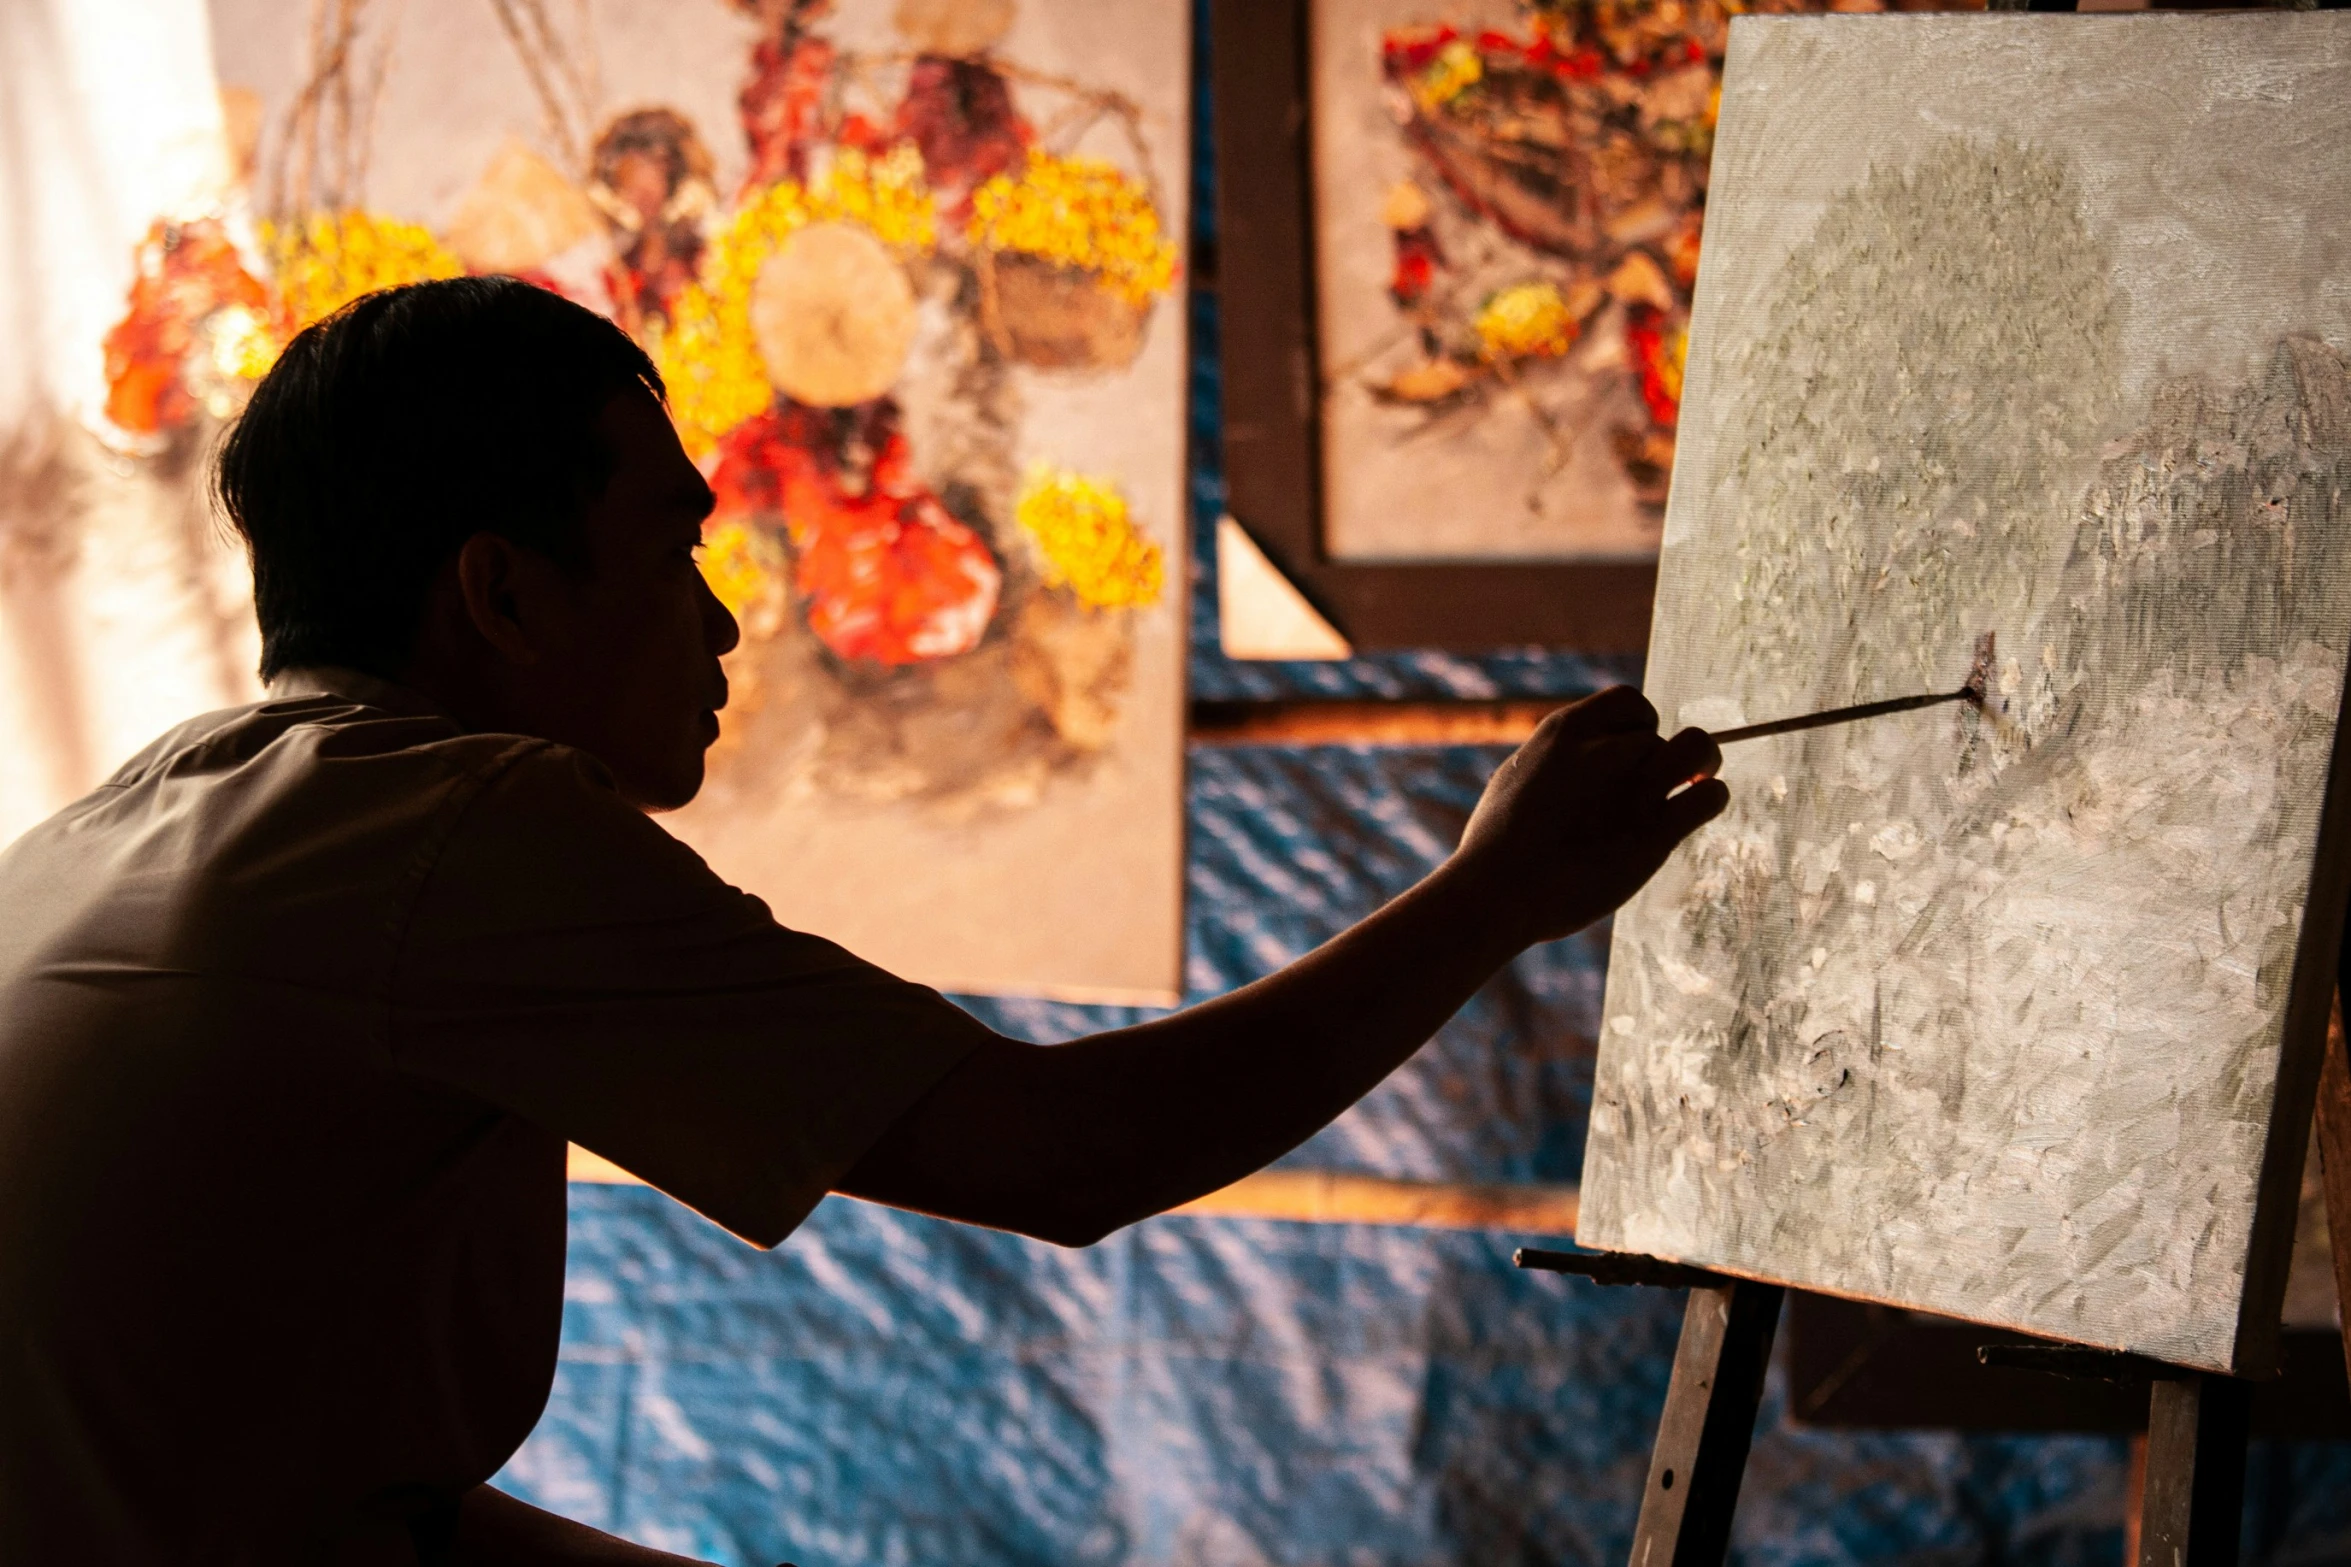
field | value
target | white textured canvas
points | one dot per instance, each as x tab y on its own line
2029	325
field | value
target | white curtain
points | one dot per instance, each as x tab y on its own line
122	608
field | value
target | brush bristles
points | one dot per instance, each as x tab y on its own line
1978	689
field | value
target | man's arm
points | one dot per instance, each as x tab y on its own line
496	1530
1070	1142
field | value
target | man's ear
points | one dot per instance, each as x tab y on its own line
505	588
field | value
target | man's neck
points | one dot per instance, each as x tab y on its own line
354	685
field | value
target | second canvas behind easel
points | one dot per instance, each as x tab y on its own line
2029	326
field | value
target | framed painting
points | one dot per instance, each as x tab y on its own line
909	269
1458	241
2012	1011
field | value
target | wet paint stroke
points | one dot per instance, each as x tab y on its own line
1982	1011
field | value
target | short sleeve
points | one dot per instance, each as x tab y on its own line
568	960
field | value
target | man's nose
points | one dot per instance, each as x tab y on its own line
719	627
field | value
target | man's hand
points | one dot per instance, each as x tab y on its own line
1585	812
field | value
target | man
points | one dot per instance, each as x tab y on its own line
299	1009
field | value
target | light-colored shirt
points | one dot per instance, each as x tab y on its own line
296	1015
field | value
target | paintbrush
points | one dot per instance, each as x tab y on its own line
1979	678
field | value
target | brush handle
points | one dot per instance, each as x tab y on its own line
1843	715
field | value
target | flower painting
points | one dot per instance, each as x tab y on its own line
908	269
1509	201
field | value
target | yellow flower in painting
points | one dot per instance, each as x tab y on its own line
1079	213
885	194
713	374
732	565
328	259
1088	542
241	345
1454	71
1526	321
707	354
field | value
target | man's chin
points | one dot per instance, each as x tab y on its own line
673	791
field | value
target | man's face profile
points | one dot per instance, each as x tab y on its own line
621	660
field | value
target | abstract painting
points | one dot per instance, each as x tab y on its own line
1508	203
2020	346
908	268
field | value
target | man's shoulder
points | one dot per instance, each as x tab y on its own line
311	805
551	840
300	733
524	829
325	758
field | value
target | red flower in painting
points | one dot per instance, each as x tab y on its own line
1656	349
888	574
1414	272
855	130
1412	48
959	115
1417	259
187	271
783	105
895	580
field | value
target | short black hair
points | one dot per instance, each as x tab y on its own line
397	428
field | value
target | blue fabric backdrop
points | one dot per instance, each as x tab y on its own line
886	1390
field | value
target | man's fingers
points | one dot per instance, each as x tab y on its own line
1688	756
1618	709
1627	755
1694	807
1651	768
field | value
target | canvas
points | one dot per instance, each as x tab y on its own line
911	271
2031	327
1508	196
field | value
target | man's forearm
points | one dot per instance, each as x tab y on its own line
496	1530
1126	1124
1262	1069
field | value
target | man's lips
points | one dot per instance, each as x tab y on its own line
708	720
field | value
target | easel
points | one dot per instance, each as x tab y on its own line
2193	1502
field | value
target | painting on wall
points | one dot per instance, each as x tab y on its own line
122	611
907	268
2007	1013
1508	203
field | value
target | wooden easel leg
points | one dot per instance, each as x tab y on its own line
2334	1151
2134	1500
1708	1425
2195	1496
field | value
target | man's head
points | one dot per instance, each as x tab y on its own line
471	487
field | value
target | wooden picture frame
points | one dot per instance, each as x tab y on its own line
1272	403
